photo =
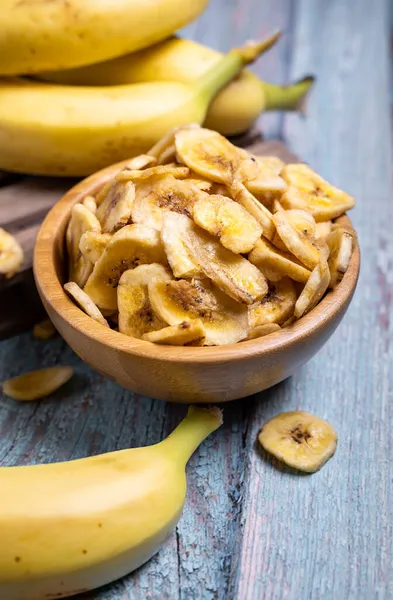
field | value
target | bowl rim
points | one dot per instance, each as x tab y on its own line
53	294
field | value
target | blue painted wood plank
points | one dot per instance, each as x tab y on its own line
329	535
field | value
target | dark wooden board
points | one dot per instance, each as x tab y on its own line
24	202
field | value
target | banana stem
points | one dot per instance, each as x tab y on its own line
288	97
190	433
210	83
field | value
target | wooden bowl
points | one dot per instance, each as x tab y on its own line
178	374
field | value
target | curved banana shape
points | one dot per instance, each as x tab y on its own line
234	109
48	129
42	35
66	528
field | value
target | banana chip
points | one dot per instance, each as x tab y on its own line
93	244
262	214
90	203
232	273
314	289
340	243
11	254
85	302
168	155
299	439
236	228
168	140
136	316
260	178
208	153
187	333
266	256
159	170
82	220
34	385
262	330
201	184
300	220
297	241
178	256
224	320
160	194
309	191
140	162
276	307
44	330
130	247
114	210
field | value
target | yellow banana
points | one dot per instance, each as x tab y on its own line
234	109
52	129
41	35
71	527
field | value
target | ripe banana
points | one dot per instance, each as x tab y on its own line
71	527
65	130
41	35
234	109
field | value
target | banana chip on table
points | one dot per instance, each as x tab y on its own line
187	333
85	302
299	439
309	191
224	320
82	220
199	242
229	221
35	385
276	307
131	246
159	194
44	330
114	209
136	315
11	254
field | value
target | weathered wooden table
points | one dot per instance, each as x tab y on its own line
252	530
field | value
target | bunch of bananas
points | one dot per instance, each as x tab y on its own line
63	112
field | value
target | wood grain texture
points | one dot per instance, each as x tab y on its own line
251	529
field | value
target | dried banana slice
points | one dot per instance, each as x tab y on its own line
314	289
259	178
340	243
208	153
44	330
140	162
186	333
11	254
310	191
168	155
232	273
90	203
136	316
300	220
266	256
136	175
298	242
82	220
262	214
93	244
85	302
160	194
34	385
201	184
177	254
323	229
262	330
299	439
114	211
168	140
237	229
224	320
276	307
130	247
273	163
